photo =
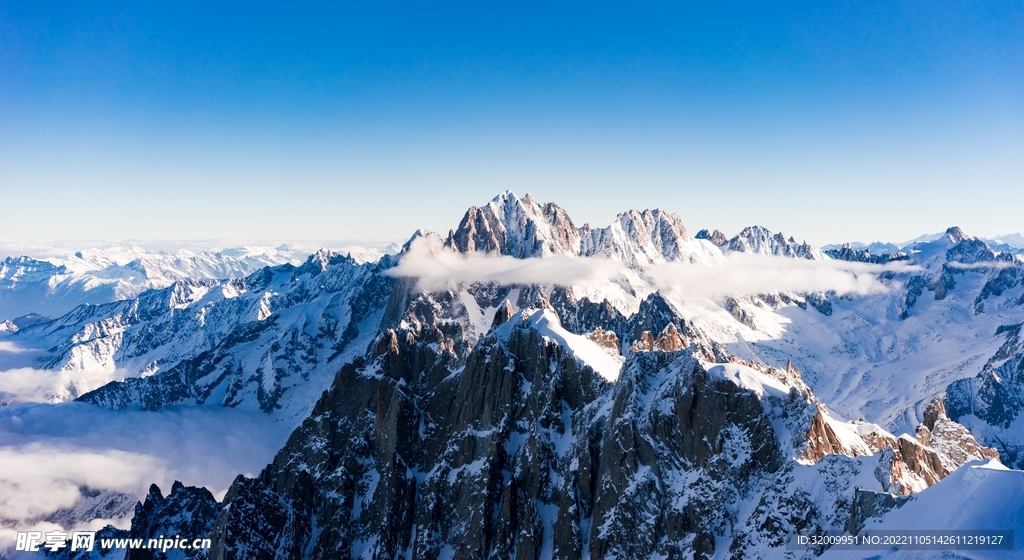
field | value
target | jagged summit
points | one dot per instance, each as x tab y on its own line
524	228
760	240
955	234
516	227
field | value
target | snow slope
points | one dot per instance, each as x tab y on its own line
978	496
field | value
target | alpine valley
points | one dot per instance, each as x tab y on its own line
523	387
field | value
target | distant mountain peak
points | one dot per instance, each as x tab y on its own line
761	240
956	234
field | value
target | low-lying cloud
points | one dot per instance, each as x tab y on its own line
434	267
39	479
51	452
26	384
746	273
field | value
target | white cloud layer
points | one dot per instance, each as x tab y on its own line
38	479
434	267
50	451
746	273
25	384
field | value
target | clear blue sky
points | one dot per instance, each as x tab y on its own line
828	121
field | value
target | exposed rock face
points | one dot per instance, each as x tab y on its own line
669	340
953	443
517	227
639	239
607	340
908	464
868	504
519	451
848	253
503	314
716	237
467	430
525	228
186	512
991	403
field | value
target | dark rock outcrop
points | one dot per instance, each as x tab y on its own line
991	402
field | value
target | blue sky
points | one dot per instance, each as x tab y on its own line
828	121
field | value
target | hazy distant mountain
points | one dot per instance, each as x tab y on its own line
53	285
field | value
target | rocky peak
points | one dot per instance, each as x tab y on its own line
848	253
639	238
971	250
542	302
187	511
716	237
760	240
605	339
516	227
669	340
320	260
502	315
525	228
955	234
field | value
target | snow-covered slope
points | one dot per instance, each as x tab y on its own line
981	496
886	355
56	283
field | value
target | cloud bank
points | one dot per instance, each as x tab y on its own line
50	452
434	267
746	273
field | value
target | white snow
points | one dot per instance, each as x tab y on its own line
586	351
980	495
748	378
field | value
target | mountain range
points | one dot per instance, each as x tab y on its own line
523	387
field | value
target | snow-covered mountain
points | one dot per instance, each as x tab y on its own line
270	341
566	392
56	285
53	285
524	447
1014	240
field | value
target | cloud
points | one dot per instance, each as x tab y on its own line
38	479
742	273
50	451
434	267
985	265
26	384
746	273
